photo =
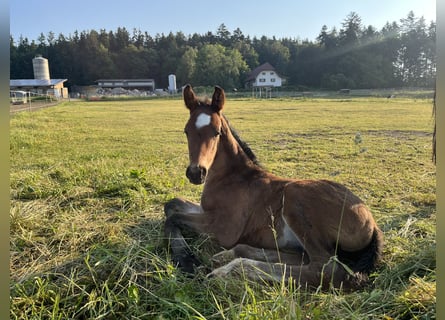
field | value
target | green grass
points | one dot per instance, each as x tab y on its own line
89	180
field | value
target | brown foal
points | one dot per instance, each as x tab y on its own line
316	232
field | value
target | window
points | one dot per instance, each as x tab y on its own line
263	73
272	80
262	80
272	73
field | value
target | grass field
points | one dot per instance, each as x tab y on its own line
89	180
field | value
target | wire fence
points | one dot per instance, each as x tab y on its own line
30	101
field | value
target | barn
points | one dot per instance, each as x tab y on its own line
42	84
53	87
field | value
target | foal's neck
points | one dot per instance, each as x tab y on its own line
230	156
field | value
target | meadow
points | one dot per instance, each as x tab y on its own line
89	181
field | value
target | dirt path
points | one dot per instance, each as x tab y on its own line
14	108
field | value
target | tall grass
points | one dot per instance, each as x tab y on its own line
89	180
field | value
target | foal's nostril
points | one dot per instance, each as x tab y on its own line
203	174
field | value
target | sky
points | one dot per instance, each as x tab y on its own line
293	19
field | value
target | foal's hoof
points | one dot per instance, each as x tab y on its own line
222	258
221	273
231	268
187	263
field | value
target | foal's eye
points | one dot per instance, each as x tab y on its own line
217	133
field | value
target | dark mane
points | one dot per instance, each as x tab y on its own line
244	146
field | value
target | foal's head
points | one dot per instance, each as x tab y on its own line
203	131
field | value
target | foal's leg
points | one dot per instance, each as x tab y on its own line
259	254
181	253
312	275
178	205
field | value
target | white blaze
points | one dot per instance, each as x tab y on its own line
202	120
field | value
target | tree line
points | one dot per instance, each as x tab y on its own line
355	56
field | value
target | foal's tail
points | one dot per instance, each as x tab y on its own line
365	260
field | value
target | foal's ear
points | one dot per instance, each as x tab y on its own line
218	99
190	99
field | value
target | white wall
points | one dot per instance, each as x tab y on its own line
268	78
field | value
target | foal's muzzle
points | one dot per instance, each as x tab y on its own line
196	174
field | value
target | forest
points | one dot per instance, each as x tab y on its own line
355	56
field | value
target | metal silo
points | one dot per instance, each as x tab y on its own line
41	68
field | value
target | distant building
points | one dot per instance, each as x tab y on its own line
263	76
128	84
54	87
42	83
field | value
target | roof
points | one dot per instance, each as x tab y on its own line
35	82
264	67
